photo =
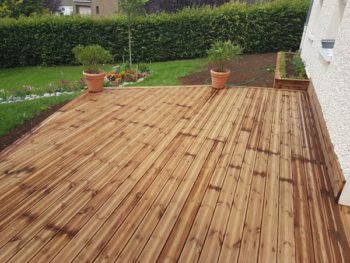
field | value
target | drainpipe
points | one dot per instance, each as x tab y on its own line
306	24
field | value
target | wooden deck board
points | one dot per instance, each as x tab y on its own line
183	174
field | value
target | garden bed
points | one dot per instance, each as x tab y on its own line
249	70
290	72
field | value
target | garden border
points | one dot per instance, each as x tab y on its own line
288	83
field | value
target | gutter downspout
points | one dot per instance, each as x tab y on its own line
306	24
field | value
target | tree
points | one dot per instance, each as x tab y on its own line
132	8
176	5
52	5
16	8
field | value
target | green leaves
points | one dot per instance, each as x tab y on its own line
188	34
132	7
91	57
222	52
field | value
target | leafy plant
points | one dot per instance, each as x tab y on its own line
298	66
283	65
120	68
129	75
92	57
222	52
4	94
143	68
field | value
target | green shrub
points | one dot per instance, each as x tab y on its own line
298	67
91	57
222	52
49	40
143	68
283	65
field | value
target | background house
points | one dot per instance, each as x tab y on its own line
95	7
328	67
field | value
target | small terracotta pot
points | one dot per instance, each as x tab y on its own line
94	81
219	79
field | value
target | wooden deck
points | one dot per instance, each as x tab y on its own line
170	174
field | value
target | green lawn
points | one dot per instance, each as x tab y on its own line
11	115
39	77
168	73
163	73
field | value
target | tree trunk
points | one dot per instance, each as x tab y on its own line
130	55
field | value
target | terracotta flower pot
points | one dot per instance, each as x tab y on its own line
219	79
94	81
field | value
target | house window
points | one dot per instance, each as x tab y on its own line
97	10
83	10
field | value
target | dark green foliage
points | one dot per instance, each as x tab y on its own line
15	8
49	40
173	6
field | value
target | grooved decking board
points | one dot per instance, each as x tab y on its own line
172	174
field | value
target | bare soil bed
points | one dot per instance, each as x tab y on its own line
249	70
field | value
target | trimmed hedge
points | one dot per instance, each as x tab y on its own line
49	40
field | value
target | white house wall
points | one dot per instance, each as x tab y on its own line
66	10
332	79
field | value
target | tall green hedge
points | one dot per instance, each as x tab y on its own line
48	40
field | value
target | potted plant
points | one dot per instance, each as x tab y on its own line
219	54
92	57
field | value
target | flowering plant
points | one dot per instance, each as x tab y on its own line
123	74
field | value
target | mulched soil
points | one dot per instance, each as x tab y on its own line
289	66
250	70
28	125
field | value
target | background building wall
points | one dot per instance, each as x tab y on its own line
105	7
98	7
331	79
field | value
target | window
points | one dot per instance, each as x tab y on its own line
83	10
97	10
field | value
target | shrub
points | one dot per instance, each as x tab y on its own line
91	57
222	52
298	67
283	65
143	68
173	6
49	40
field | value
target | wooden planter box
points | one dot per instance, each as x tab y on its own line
288	83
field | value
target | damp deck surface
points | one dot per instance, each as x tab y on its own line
172	174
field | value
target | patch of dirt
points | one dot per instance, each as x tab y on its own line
289	65
249	70
290	70
28	125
